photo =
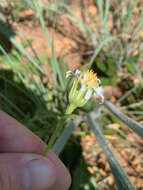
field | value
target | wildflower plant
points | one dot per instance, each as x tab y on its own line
85	85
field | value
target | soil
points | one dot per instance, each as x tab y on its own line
126	156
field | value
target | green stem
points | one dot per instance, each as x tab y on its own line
55	134
70	109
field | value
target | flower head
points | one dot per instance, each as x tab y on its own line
85	85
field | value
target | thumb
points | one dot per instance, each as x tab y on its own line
26	172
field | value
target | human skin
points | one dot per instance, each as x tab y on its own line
22	165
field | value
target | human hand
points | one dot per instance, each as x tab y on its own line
22	166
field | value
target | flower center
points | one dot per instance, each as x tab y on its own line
89	78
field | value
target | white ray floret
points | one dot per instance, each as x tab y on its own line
98	80
99	92
71	73
77	72
85	76
83	86
88	94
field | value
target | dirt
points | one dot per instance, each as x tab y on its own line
99	167
63	45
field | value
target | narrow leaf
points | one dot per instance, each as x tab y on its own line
61	141
120	176
8	34
55	65
131	123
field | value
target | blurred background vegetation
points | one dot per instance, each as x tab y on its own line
39	42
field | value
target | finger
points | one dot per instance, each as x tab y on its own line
14	137
63	177
26	172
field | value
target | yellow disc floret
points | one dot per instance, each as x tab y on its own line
89	78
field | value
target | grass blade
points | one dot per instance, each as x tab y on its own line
12	105
100	7
131	123
97	51
55	65
107	7
121	178
4	30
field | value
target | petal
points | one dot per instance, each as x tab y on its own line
98	80
83	86
85	76
99	92
88	94
69	73
77	72
102	98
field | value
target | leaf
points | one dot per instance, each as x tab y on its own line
43	57
98	49
130	67
63	67
100	65
136	127
135	58
112	68
82	179
120	176
109	80
54	61
20	48
130	64
27	42
61	141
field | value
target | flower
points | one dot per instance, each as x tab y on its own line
85	85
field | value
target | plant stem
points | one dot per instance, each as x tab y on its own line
55	134
70	109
